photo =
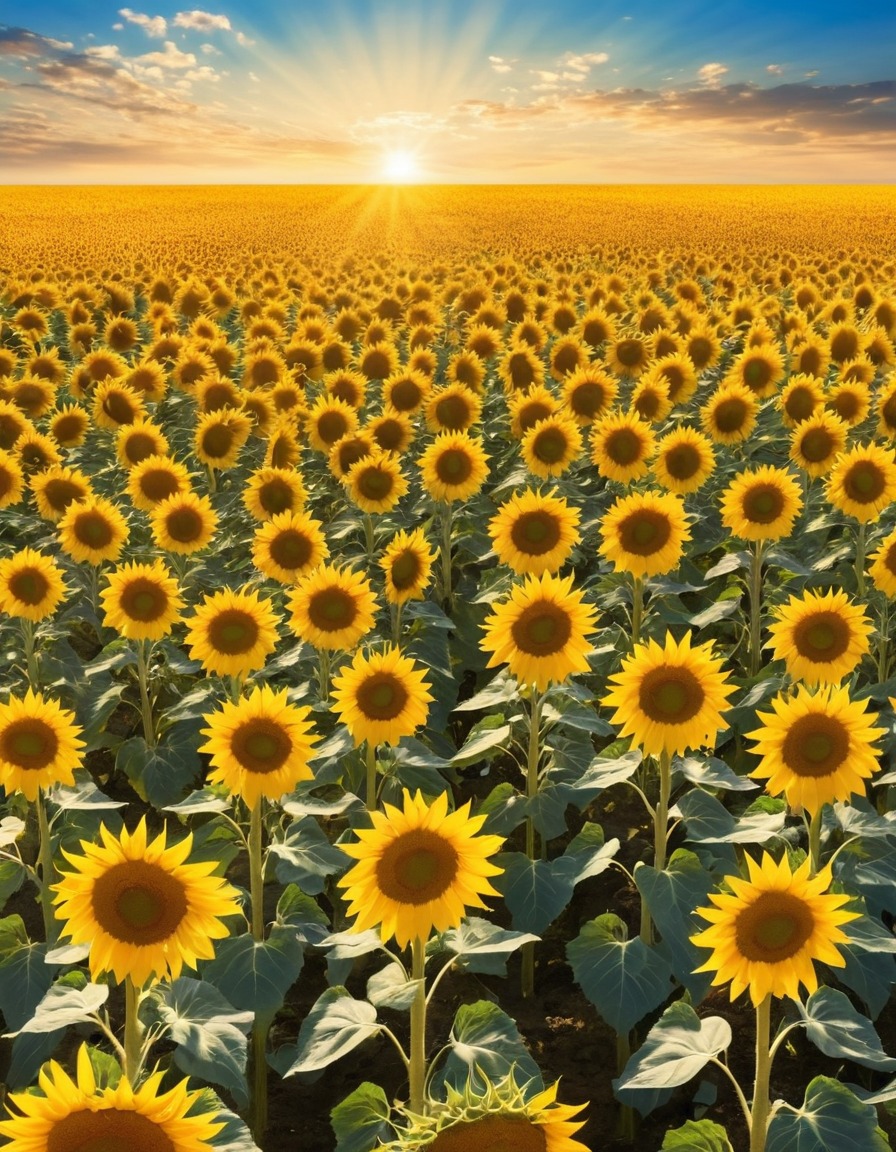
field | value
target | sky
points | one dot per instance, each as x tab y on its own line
448	91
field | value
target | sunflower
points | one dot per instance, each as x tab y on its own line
376	482
144	910
520	369
148	380
31	585
57	487
77	1114
644	533
845	342
670	698
68	426
407	563
629	355
551	446
453	467
760	369
40	744
882	568
419	868
768	931
588	393
821	637
406	391
142	601
703	348
650	398
466	368
32	395
289	545
12	480
138	441
801	398
817	442
273	490
156	478
684	460
862	482
347	386
540	631
329	420
454	408
393	431
381	697
850	400
596	328
219	437
115	404
816	747
762	504
93	530
534	532
886	410
259	746
332	608
621	446
13	425
283	447
233	633
378	361
811	356
729	415
527	408
183	524
36	451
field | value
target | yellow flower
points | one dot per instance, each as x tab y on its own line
289	545
142	602
233	633
801	398
769	930
57	487
684	460
454	408
332	608
588	393
115	404
762	504
644	533
393	431
93	530
453	467
183	524
156	478
138	441
12	480
40	744
381	697
405	391
273	490
815	443
821	637
328	421
760	369
31	585
862	482
629	355
882	569
520	369
534	532
419	868
729	415
376	482
528	407
850	400
621	446
407	563
550	446
220	436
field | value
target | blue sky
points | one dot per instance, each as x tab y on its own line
453	91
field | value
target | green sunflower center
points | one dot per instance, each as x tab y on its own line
405	570
261	745
535	533
107	1130
497	1133
864	482
623	446
233	632
137	902
670	694
816	745
763	503
29	586
332	609
550	446
375	483
822	637
542	629
417	867
774	927
644	532
800	404
757	373
143	599
29	744
382	696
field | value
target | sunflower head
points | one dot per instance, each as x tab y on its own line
12	480
407	563
271	491
142	601
882	568
815	443
762	504
453	467
93	530
644	533
684	460
233	633
534	532
729	415
862	482
376	482
40	744
289	545
381	697
621	446
820	636
332	608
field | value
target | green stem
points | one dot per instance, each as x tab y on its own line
637	608
756	607
417	1070
145	706
323	675
261	1025
133	1031
660	834
883	643
860	559
212	480
446	556
371	776
47	870
369	540
396	624
815	842
760	1109
528	949
626	1125
259	1108
30	656
236	688
256	872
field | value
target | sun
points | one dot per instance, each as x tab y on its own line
400	167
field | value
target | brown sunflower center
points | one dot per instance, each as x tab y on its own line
453	412
762	503
496	1133
276	496
390	434
623	446
731	414
844	345
521	370
821	637
261	745
290	549
233	632
815	745
332	609
889	559
630	353
139	446
670	694
648	403
375	483
351	451
587	399
405	395
29	743
332	426
93	530
405	569
800	404
382	696
60	493
535	533
682	461
454	466
6	481
184	525
107	1130
158	484
644	532
757	373
376	365
29	586
550	445
817	445
416	867
118	407
773	928
542	629
700	351
864	482
137	902
217	441
144	599
530	414
888	412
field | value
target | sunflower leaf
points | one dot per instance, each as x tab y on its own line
255	975
391	988
486	739
306	857
361	1121
534	891
63	1006
710	822
697	1136
336	1024
837	1029
84	796
676	1048
484	1042
483	946
831	1119
712	773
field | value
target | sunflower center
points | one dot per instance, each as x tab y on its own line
60	493
822	637
644	532
629	352
382	696
29	586
550	446
93	530
375	483
816	445
416	867
454	466
846	405
119	408
864	482
453	412
390	435
542	629
29	744
530	414
731	414
138	902
800	404
763	503
773	928
496	1133
623	446
275	496
682	461
139	446
332	426
648	403
332	609
757	373
816	745
107	1130
405	570
889	559
261	745
535	533
888	412
587	399
351	451
670	695
217	441
405	396
185	525
158	484
144	599
290	549
233	632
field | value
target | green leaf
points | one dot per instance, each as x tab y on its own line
391	988
501	690
504	809
831	1119
868	867
697	1136
534	890
676	1048
63	1006
83	797
623	979
161	774
106	1069
361	1121
204	800
712	773
12	873
709	822
482	946
837	1029
11	828
485	1042
25	978
485	741
336	1024
303	916
254	976
306	857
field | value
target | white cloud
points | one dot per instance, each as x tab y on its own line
499	64
809	75
103	51
711	74
204	72
155	26
545	77
172	57
775	69
243	40
582	62
254	78
210	50
201	21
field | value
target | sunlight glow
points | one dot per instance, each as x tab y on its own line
401	167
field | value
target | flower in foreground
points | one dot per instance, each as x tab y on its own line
78	1115
644	533
534	532
381	697
761	504
769	930
142	601
40	744
820	636
144	910
31	585
233	633
419	868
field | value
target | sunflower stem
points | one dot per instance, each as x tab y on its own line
660	837
883	643
417	1070
528	949
145	705
815	841
133	1032
756	606
212	480
860	559
323	675
637	608
261	1025
260	1078
446	557
256	872
371	776
47	869
396	624
760	1110
236	688
369	537
625	1127
30	656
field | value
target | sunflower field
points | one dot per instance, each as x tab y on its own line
449	671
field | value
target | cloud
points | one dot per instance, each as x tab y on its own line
711	74
171	57
155	26
499	64
774	69
584	61
21	42
200	21
243	40
210	50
